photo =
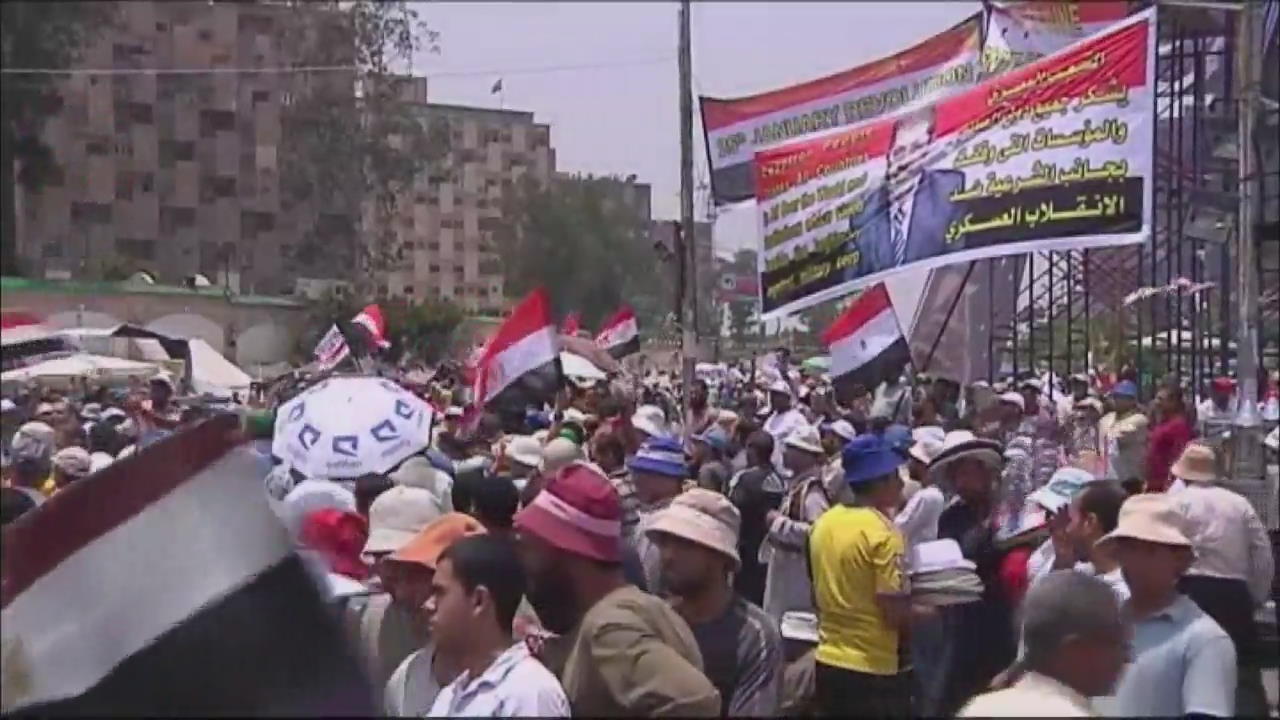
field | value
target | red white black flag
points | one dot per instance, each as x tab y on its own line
165	586
620	335
865	342
520	364
333	348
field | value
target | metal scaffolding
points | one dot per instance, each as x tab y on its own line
1167	306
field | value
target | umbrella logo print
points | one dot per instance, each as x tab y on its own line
308	436
404	409
296	413
346	445
384	431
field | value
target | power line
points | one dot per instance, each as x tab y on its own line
327	68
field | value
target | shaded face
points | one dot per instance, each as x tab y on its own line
1099	658
688	567
1123	404
831	442
972	479
452	610
651	488
1079	389
699	452
1032	400
1151	569
1221	396
409	584
917	469
698	395
550	585
797	460
160	393
1083	529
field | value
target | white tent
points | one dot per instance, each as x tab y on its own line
214	374
81	365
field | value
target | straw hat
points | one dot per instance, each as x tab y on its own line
704	517
1149	517
1196	464
805	438
963	443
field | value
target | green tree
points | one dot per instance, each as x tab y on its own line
422	331
352	146
590	252
35	35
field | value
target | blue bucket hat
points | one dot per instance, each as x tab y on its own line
1125	389
660	456
716	437
868	457
898	438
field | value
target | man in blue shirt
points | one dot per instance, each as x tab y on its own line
1183	663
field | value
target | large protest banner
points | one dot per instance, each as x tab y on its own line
737	127
1051	156
1022	31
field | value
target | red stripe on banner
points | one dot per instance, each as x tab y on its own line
787	166
84	511
868	305
1066	13
937	50
531	315
1114	60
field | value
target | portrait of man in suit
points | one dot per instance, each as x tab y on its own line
907	217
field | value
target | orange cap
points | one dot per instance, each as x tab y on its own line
426	547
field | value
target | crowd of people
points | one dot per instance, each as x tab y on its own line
786	546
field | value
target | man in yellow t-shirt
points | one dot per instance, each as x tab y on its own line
857	560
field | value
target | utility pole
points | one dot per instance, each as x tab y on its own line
1247	472
688	251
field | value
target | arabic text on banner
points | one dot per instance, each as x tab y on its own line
1051	156
736	128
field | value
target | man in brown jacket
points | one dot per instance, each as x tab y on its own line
628	653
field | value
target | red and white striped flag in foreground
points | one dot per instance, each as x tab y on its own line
520	365
165	586
865	341
620	335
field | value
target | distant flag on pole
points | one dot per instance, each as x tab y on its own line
620	335
570	324
865	341
196	603
497	87
520	365
333	348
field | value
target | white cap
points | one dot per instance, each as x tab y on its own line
805	438
650	419
1014	398
780	386
453	411
844	429
526	450
398	515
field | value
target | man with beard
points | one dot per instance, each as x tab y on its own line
629	654
698	538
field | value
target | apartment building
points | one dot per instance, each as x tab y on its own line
448	224
170	173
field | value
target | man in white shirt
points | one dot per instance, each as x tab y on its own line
918	519
1233	568
783	419
1215	413
1076	646
477	588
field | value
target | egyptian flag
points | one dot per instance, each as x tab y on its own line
334	347
620	335
569	326
520	364
865	341
164	585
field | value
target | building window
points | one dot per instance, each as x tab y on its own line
91	213
140	113
124	186
97	147
148	182
261	96
408	290
433	268
434	246
51	250
136	249
214	121
205	35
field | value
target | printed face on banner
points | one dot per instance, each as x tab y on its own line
1052	156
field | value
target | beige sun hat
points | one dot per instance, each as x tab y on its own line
1198	463
1149	517
704	517
805	438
